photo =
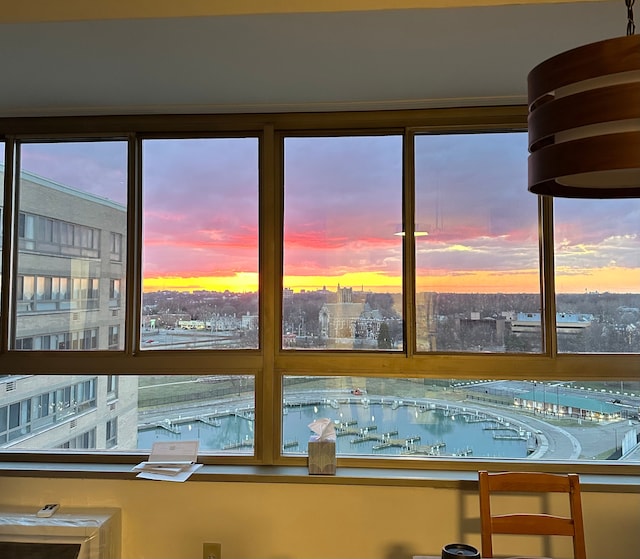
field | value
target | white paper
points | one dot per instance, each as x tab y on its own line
324	430
176	452
163	468
170	461
181	476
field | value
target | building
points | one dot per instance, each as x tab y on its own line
347	322
68	297
549	402
427	320
566	323
338	320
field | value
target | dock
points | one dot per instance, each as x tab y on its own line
167	426
247	443
425	450
213	421
398	443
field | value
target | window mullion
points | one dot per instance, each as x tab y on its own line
268	397
133	299
8	225
545	216
409	243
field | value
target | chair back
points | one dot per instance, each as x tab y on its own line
530	523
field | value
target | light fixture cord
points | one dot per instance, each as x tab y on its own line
631	26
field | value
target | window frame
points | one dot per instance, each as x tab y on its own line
270	363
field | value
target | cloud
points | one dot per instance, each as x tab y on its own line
343	206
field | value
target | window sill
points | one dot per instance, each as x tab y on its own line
451	479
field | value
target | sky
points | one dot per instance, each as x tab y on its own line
343	212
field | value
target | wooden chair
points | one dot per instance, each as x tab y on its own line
530	523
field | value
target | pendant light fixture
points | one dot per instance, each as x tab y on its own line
584	120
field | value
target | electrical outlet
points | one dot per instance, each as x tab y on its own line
211	550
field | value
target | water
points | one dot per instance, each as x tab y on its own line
232	430
432	426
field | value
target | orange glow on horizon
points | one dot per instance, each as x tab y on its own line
612	279
242	282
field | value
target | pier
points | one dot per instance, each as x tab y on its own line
249	415
424	450
364	436
247	443
518	437
398	443
166	425
213	421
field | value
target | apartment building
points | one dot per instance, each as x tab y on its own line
68	296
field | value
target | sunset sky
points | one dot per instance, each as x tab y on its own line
343	210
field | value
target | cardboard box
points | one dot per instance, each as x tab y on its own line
322	457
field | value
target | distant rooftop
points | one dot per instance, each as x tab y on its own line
565	318
548	395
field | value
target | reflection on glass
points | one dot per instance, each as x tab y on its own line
342	256
200	260
477	266
427	418
72	206
597	267
2	147
127	413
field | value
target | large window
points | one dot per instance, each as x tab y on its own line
597	248
387	271
200	244
457	418
218	411
72	199
2	148
476	237
342	252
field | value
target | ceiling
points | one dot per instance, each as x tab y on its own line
292	61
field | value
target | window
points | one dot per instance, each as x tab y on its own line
112	433
114	337
114	292
43	234
69	193
200	244
115	246
52	293
476	245
388	271
2	148
112	386
457	418
38	405
597	249
217	410
24	343
86	440
342	257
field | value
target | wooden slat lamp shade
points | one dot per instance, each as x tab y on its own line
584	122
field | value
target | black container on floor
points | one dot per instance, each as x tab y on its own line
459	550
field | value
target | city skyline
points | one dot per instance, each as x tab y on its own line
198	236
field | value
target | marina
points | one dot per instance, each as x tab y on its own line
371	425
